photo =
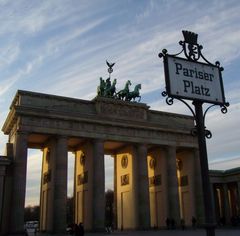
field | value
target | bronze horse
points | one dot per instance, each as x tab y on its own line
134	94
123	93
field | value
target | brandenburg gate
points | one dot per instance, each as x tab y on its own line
156	164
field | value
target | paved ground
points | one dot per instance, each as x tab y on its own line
188	232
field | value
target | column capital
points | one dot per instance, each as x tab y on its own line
2	170
141	144
142	147
238	185
22	132
225	187
61	136
170	147
98	140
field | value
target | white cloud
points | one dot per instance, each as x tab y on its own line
224	164
8	54
8	82
60	48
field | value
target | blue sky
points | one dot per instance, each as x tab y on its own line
60	47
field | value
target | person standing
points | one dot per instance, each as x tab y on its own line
194	222
182	222
81	229
76	230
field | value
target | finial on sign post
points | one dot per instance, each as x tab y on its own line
190	37
178	79
191	48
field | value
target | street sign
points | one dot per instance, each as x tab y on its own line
199	82
193	80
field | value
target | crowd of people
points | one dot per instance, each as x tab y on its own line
76	229
171	224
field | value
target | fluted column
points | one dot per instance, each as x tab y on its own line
115	193
60	185
198	189
98	186
226	203
172	186
143	188
238	195
19	182
2	187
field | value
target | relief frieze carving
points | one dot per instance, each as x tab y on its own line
124	179
155	180
82	178
122	111
47	176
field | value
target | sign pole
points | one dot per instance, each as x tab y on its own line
207	196
200	82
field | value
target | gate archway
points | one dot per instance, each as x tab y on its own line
130	132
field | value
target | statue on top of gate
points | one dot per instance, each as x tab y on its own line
108	89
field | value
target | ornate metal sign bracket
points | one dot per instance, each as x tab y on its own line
193	52
199	82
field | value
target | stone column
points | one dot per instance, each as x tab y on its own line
19	182
238	196
172	186
2	188
143	188
199	206
60	186
226	203
115	174
98	186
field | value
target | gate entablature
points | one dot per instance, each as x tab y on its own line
103	118
59	124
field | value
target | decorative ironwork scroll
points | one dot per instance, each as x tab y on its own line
200	82
193	52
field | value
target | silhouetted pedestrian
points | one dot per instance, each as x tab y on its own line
222	221
173	223
76	230
168	222
182	222
81	229
25	232
194	222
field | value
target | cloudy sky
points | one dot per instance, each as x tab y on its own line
60	47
